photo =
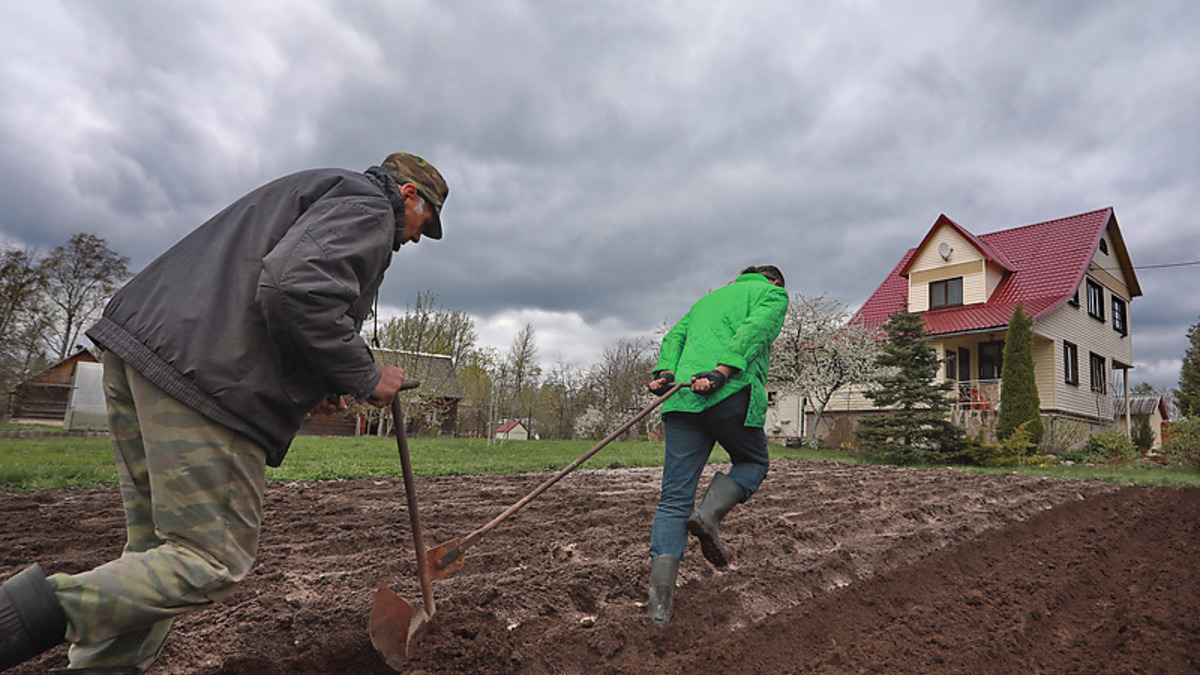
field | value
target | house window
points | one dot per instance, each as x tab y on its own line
1095	296
946	293
1070	363
772	398
1119	316
1099	379
1104	247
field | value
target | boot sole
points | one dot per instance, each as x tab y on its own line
712	550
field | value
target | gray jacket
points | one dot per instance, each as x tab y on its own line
254	317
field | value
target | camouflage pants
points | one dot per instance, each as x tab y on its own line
193	493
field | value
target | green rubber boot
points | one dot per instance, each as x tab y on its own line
663	570
722	495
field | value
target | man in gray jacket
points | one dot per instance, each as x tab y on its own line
213	355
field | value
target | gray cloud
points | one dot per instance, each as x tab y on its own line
610	162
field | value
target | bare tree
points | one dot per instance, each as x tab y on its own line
520	372
560	400
428	328
80	276
419	341
477	373
21	283
819	351
619	381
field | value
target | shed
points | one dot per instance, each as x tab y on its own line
44	398
1152	408
512	430
432	406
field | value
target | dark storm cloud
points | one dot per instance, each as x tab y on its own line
611	161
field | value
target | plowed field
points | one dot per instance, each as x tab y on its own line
837	569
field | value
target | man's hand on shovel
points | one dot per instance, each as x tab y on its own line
389	384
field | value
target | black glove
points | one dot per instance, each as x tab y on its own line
667	377
716	380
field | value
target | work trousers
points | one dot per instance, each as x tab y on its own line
689	442
193	494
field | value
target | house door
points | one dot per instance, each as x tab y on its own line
991	360
962	366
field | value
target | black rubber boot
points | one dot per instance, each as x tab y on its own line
663	570
31	620
722	495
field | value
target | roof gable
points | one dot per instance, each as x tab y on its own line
1046	264
989	252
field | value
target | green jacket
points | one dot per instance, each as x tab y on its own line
734	325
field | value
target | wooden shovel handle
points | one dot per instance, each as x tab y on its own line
447	558
410	493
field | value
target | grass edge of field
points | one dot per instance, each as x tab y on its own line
58	462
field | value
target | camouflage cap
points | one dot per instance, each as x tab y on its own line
406	168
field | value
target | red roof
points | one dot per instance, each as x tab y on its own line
1046	263
509	426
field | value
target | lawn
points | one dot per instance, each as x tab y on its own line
70	462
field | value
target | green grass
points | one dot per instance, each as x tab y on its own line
1156	476
37	427
322	458
43	463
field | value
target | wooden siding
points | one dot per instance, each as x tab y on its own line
1047	370
965	261
995	274
975	290
1072	323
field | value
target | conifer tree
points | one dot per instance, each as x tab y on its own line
1187	397
1019	402
916	426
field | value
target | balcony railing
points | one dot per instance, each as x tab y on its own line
977	400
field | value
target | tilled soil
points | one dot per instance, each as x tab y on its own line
837	569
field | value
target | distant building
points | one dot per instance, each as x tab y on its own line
435	402
45	397
512	430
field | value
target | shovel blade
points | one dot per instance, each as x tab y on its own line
395	627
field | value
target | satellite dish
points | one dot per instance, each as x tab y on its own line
944	250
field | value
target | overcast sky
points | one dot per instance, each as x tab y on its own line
609	162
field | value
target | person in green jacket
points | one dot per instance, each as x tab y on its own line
723	346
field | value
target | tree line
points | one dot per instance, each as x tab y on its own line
818	352
564	401
48	299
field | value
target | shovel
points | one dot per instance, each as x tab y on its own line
395	625
447	558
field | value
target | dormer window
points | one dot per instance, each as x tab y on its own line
1104	247
946	293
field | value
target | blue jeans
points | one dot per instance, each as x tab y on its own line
689	442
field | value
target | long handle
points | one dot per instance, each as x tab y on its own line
456	552
410	493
